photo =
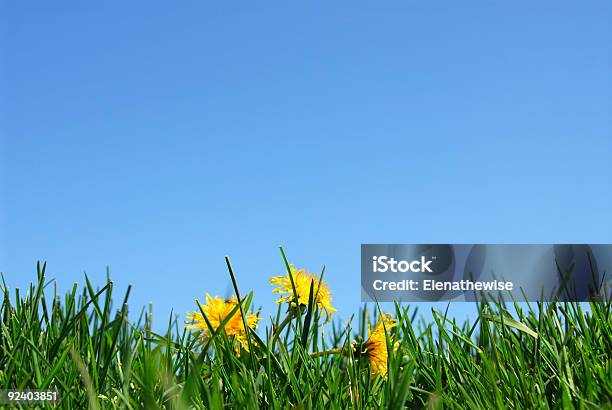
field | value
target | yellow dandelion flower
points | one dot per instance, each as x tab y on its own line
216	310
375	348
302	280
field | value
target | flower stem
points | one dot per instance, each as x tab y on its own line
279	329
326	352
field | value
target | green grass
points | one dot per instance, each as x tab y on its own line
553	355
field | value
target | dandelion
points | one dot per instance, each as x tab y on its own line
375	348
302	281
217	310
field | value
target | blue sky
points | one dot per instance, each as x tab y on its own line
155	139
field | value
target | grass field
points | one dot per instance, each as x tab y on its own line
553	355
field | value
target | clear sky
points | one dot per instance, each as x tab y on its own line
157	138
